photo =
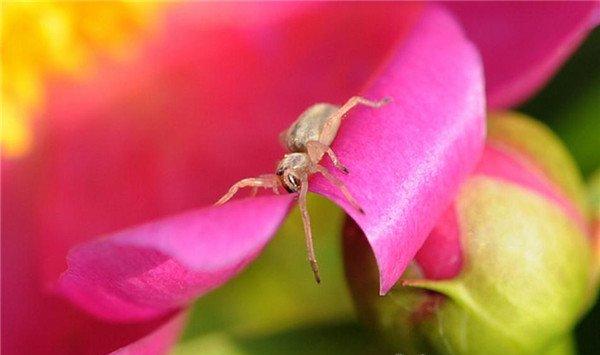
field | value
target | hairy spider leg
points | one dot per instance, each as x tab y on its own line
340	185
307	229
330	127
266	181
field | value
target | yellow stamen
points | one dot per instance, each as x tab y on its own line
44	39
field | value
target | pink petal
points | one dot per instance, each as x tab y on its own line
175	129
158	342
35	322
149	270
407	159
441	257
171	130
522	44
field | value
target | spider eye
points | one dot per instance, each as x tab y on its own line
293	181
279	172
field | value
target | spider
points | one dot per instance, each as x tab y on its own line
308	139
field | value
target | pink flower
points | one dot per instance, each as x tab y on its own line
202	107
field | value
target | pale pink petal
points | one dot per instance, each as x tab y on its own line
407	159
522	44
149	270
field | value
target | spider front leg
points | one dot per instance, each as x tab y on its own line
307	229
266	181
358	100
316	150
330	128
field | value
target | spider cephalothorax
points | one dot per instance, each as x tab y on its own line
292	169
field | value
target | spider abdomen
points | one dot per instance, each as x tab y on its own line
309	127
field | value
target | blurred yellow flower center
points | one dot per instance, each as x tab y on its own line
44	39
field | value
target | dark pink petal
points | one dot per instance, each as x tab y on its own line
523	43
407	159
138	140
441	257
146	271
33	320
198	112
158	342
201	109
436	124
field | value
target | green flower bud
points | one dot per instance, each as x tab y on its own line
526	258
594	198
